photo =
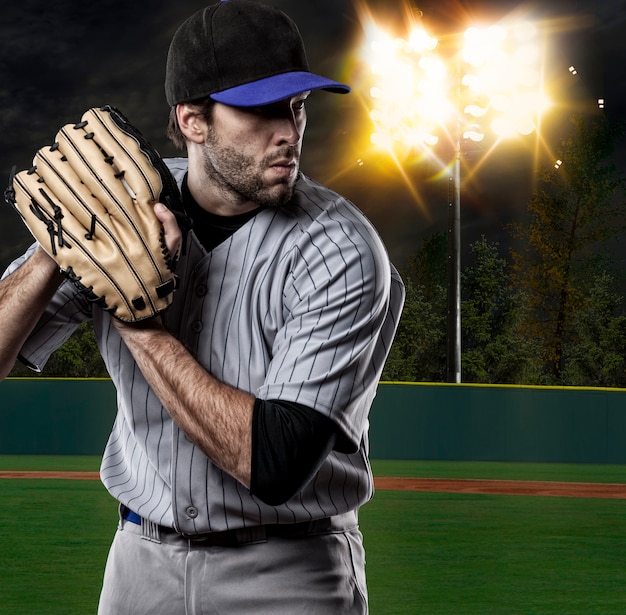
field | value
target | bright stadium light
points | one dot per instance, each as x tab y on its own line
492	84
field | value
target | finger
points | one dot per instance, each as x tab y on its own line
173	235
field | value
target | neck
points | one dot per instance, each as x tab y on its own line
212	197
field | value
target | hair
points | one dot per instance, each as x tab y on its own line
204	108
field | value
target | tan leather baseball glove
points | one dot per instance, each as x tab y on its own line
88	200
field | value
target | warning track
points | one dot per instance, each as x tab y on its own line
504	487
437	485
54	474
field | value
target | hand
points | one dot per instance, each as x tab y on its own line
173	241
173	235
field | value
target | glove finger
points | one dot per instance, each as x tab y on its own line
61	180
90	163
41	211
130	161
114	166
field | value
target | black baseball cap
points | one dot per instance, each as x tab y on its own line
241	53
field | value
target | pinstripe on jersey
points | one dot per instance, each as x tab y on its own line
300	304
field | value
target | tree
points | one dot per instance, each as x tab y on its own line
493	351
79	357
598	358
418	353
575	210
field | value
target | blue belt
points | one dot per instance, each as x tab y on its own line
129	515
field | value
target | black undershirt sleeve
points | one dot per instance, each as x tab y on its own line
289	443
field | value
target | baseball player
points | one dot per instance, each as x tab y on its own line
239	454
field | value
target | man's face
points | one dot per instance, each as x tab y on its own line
252	155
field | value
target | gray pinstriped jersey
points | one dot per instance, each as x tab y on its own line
300	304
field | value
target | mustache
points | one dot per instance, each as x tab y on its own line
289	152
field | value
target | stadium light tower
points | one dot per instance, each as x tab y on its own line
491	82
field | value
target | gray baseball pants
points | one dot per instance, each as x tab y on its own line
153	573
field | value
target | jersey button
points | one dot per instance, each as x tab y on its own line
192	511
201	290
196	326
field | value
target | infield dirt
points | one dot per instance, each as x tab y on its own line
443	485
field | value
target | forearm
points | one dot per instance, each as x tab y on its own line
23	297
216	417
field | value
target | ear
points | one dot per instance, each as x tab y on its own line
191	124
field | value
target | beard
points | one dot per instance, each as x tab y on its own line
240	176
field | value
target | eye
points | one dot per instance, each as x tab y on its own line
274	110
298	105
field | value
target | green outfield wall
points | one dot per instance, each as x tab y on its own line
499	423
459	422
41	416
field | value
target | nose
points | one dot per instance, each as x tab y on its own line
290	128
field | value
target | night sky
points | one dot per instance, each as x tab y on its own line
60	58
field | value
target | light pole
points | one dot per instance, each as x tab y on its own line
414	99
453	272
453	265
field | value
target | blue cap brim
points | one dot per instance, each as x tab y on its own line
278	87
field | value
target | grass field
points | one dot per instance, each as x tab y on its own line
428	553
